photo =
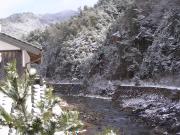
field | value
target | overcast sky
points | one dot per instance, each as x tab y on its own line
8	7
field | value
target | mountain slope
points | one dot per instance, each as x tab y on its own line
72	45
21	24
148	46
116	40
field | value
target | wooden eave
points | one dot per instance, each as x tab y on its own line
35	58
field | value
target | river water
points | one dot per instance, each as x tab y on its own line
103	114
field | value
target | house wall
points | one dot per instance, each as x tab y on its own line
9	56
6	47
9	53
25	59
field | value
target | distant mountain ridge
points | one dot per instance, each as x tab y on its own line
21	24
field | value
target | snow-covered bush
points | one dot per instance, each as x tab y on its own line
45	118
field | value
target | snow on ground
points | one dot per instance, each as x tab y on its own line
6	103
111	86
159	110
145	84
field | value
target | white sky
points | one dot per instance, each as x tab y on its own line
8	7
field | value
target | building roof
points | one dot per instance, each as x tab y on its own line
33	50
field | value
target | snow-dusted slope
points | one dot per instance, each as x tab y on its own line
22	23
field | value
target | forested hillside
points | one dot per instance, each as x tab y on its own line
116	40
71	46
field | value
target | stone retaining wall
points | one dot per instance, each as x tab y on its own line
135	91
68	88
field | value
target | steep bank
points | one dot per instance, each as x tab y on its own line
143	44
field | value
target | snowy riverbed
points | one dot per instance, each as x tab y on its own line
156	110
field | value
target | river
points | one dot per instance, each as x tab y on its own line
101	113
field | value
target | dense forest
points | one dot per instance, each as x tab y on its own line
117	40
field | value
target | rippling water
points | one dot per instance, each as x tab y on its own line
110	115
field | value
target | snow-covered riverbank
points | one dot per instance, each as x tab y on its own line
156	106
